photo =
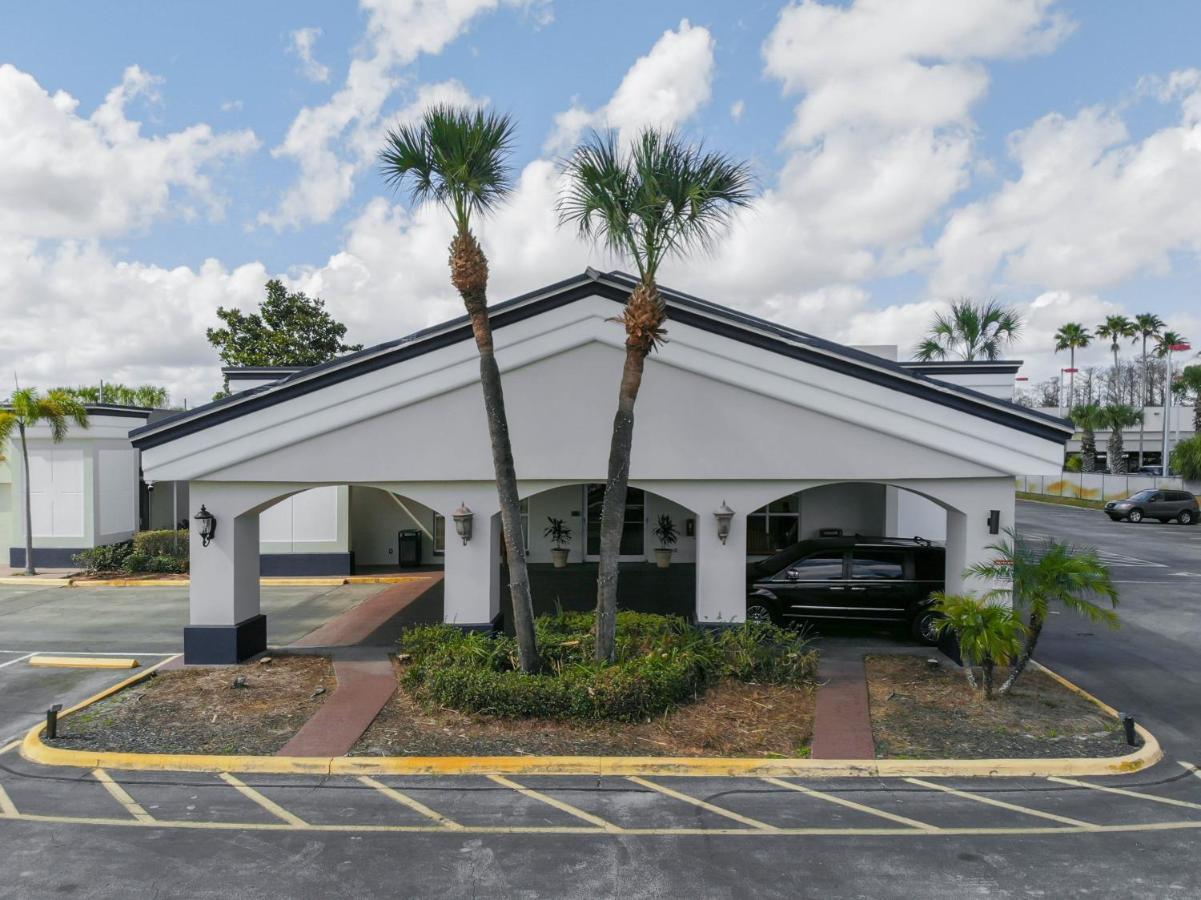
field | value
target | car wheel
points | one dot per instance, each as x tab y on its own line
759	614
1135	516
1185	517
923	626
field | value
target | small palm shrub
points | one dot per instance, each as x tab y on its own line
105	558
662	662
989	635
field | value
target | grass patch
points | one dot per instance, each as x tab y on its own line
1061	501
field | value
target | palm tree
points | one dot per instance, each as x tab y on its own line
1069	337
1146	325
26	408
1190	380
1088	418
658	198
458	158
1165	341
1051	572
988	634
1118	416
970	331
1115	329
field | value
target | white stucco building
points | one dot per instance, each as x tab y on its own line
791	432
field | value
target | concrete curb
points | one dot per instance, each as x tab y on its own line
35	750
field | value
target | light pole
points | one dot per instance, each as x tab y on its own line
1167	404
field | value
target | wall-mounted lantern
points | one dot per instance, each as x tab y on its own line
207	523
994	521
463	517
723	515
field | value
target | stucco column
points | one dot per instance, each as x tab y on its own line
225	625
968	533
471	584
720	570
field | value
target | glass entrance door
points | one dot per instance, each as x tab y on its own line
632	533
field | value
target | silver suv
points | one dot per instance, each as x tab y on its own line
1155	504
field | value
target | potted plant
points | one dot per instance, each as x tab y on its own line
666	532
559	534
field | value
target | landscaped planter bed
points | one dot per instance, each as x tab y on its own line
923	712
200	710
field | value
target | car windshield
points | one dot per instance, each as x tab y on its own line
1143	495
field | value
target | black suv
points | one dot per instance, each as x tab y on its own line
849	578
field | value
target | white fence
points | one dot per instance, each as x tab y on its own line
1094	485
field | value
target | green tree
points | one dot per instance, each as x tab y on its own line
1186	458
1167	340
1038	576
989	634
290	329
25	409
1118	417
660	198
1115	329
1146	325
1069	337
1088	418
148	396
1190	381
970	331
459	159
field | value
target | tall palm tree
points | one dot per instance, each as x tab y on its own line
1190	380
1069	337
1147	325
1050	572
658	198
25	409
459	158
1088	418
1118	416
970	331
1115	329
1166	340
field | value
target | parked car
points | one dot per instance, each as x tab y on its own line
849	578
1157	471
1154	504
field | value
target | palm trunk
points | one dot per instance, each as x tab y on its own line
1117	459
643	320
1072	378
1145	403
1034	629
970	675
986	669
29	569
469	273
1088	450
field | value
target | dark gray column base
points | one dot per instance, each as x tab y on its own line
496	626
220	645
718	626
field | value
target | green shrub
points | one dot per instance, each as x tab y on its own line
662	662
143	562
163	542
105	558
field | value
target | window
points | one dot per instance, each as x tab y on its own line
773	527
439	534
878	565
825	566
632	530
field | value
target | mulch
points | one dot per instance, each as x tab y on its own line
199	710
919	712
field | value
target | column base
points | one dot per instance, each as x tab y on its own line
723	625
220	645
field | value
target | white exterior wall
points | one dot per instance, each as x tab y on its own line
994	384
375	521
312	521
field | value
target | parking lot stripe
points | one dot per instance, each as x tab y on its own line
851	804
13	662
703	804
412	804
1137	795
270	805
13	746
1000	804
556	803
7	807
131	805
1191	768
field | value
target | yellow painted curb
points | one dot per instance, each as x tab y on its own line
35	750
307	581
25	581
83	662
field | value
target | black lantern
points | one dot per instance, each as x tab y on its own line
463	517
723	515
207	525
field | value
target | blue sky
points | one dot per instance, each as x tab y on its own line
868	221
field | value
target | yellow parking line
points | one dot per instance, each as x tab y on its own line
1001	804
270	805
1137	795
119	794
83	662
412	804
7	807
851	804
703	804
556	803
13	746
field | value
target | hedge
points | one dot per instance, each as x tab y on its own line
149	551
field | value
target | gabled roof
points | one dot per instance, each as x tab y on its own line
683	308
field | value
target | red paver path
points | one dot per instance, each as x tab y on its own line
356	624
842	724
363	688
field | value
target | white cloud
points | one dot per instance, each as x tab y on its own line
301	42
231	105
737	108
665	87
66	176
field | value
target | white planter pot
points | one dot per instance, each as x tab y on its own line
559	556
663	557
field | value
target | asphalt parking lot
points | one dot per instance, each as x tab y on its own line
95	833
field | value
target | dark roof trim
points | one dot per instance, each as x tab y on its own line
962	367
127	412
702	314
235	372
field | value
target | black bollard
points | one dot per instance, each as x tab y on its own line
52	721
1128	724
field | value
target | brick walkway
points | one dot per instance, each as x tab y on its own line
842	725
357	624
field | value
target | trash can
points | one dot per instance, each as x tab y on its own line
408	545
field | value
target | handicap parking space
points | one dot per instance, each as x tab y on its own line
479	801
190	797
337	800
